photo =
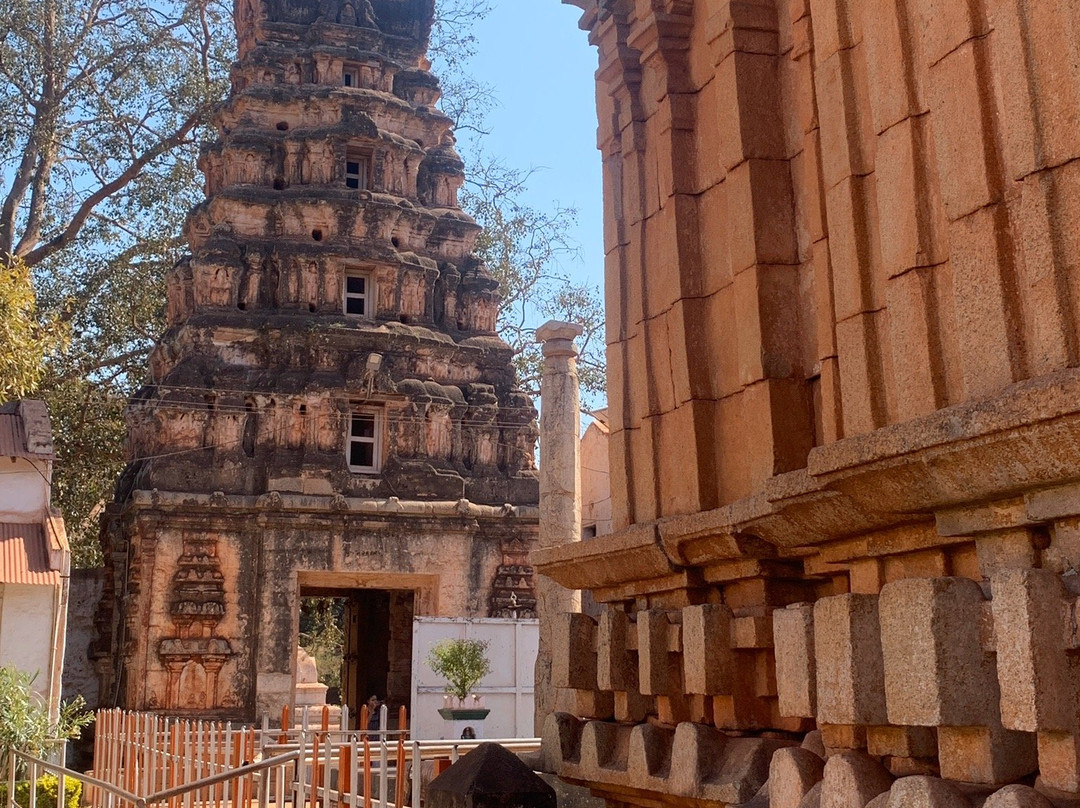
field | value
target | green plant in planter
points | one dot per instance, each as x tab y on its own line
462	663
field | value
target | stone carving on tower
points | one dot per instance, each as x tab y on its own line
331	407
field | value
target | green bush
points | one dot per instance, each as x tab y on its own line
47	791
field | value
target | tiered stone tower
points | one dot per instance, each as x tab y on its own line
330	411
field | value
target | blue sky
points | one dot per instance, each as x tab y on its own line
542	67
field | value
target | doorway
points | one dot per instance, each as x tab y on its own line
375	628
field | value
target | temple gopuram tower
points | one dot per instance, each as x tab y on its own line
330	412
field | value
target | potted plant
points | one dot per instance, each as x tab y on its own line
462	663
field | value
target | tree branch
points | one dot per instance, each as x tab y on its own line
82	213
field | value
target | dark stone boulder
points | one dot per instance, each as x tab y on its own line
489	777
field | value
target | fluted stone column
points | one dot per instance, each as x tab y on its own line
560	487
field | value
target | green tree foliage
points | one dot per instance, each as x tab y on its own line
462	663
25	339
24	715
102	107
48	792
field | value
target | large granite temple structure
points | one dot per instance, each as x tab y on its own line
843	291
331	412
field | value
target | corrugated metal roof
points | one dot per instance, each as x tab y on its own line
24	556
12	442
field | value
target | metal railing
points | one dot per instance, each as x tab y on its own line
301	768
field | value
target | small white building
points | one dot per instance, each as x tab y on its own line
595	478
34	554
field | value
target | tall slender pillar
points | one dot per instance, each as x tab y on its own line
560	487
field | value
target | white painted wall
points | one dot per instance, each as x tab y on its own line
507	691
26	630
24	489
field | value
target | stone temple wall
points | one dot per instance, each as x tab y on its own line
843	293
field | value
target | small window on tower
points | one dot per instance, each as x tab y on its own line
358	169
351	76
359	294
364	443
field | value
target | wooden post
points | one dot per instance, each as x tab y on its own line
399	790
367	773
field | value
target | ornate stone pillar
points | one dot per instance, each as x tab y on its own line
560	484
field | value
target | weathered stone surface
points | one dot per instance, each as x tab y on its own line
925	792
814	743
1017	796
936	670
851	780
847	648
792	773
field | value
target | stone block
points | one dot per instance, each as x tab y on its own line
859	342
793	639
761	214
847	648
616	668
812	798
742	771
1059	760
812	741
984	291
672	709
752	632
944	26
658	672
894	75
707	657
834	26
936	671
988	755
574	660
598	704
631	707
911	742
792	773
840	737
1005	550
650	755
848	142
1037	92
561	740
956	101
700	708
605	748
695	751
925	792
915	343
1017	796
1038	689
913	231
749	92
851	780
854	246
